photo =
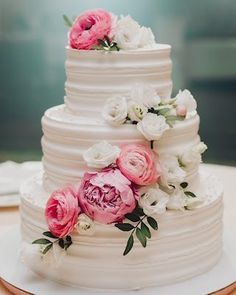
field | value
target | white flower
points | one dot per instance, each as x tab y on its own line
101	155
85	225
171	172
153	200
185	98
145	95
146	37
127	33
192	157
192	203
177	200
136	112
115	110
152	126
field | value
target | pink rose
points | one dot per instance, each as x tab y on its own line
62	211
181	110
89	27
138	163
107	196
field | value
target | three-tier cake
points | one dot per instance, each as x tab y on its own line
122	202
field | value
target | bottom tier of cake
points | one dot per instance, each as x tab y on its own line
186	244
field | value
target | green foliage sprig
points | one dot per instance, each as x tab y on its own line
141	229
107	45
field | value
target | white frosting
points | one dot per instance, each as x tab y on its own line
93	76
187	244
67	137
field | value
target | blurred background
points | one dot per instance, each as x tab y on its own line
32	55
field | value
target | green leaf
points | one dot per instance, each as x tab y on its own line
124	226
132	216
61	243
141	237
129	245
42	241
49	234
190	194
103	43
67	21
152	222
47	248
145	230
139	211
107	40
184	184
67	245
68	239
164	111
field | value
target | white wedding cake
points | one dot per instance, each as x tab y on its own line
122	202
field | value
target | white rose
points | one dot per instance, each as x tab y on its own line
146	37
136	112
85	225
145	95
101	155
152	126
185	98
115	110
171	172
192	157
153	200
127	33
177	200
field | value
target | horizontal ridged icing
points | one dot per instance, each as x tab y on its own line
93	76
67	136
187	243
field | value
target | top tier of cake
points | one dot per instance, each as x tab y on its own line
95	75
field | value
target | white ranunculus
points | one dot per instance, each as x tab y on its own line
136	112
185	98
115	110
192	157
128	33
146	37
177	200
152	126
145	95
101	155
85	225
171	172
153	200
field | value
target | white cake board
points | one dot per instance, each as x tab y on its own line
13	271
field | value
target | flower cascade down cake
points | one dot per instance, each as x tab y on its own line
122	195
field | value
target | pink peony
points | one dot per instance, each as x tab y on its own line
107	196
89	27
62	211
138	163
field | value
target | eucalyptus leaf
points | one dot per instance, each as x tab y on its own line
145	230
141	237
129	245
49	234
132	216
190	194
42	241
47	248
67	21
152	222
184	184
124	226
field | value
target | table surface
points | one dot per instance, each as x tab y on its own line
10	216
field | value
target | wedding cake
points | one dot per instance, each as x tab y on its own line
122	202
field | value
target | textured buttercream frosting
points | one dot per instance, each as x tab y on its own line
187	243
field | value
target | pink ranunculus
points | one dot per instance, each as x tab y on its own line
89	27
107	196
62	211
181	110
138	163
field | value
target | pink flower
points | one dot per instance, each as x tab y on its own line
181	110
62	211
107	196
89	27
138	163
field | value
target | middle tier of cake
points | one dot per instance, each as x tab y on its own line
67	136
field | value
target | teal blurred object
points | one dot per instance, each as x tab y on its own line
32	56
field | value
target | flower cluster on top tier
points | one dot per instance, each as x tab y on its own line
131	182
102	30
152	115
